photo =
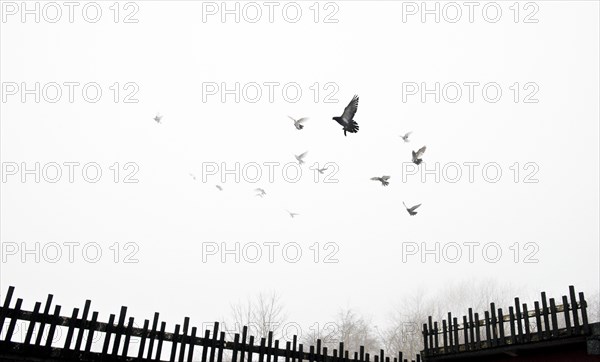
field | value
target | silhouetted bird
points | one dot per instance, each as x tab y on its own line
417	156
347	118
382	179
405	137
260	191
157	118
322	170
411	210
292	214
219	187
298	123
300	158
193	176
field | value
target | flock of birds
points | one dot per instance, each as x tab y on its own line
346	120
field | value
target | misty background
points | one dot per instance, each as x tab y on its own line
170	53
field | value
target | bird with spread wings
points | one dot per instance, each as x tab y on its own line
346	120
417	156
298	122
411	210
383	179
405	137
300	157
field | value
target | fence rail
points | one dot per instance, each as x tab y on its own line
551	322
184	342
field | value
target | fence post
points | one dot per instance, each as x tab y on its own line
143	339
192	342
576	326
128	332
526	321
152	335
45	316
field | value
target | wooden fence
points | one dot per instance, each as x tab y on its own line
117	340
543	323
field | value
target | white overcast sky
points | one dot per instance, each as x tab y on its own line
170	52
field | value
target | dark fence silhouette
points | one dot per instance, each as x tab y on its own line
116	340
545	322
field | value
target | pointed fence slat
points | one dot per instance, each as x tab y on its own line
45	316
184	337
205	347
143	336
84	316
90	336
576	327
251	347
566	313
276	351
519	317
192	344
119	330
13	321
584	316
477	332
152	335
128	332
261	351
553	311
107	334
174	343
546	316
538	321
511	314
236	341
71	330
526	321
53	323
161	338
34	316
221	344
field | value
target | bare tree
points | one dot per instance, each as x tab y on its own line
261	314
404	332
593	307
347	327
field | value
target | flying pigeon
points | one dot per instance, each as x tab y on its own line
292	214
298	123
405	137
322	170
219	187
347	118
411	210
416	156
383	179
300	157
157	118
260	191
193	176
